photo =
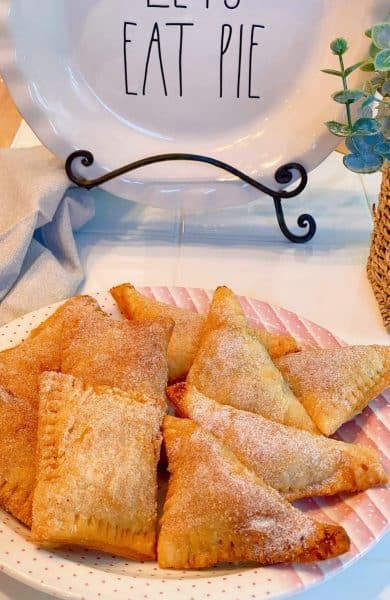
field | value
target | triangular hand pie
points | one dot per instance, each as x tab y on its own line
233	367
129	355
18	436
97	468
296	463
188	329
217	510
226	310
22	365
335	384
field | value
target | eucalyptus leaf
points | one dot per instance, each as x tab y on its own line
347	96
368	66
381	35
368	101
332	72
366	127
339	46
353	68
382	60
374	50
339	129
383	149
363	163
363	144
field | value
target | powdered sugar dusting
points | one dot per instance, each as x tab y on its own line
334	383
214	491
98	454
288	459
296	463
21	366
233	367
91	574
129	355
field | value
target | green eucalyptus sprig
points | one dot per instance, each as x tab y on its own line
345	96
379	63
367	136
379	59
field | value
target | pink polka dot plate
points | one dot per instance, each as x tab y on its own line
84	574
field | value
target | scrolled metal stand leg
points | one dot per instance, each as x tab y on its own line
303	221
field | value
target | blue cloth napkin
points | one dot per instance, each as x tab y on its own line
39	213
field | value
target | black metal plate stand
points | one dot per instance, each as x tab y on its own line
284	175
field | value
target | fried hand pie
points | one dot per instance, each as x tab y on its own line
335	384
233	367
129	355
98	450
22	365
217	510
297	463
18	437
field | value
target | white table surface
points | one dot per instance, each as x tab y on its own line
324	281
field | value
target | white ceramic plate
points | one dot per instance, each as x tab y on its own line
83	574
73	69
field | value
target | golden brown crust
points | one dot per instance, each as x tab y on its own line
227	310
186	333
18	432
277	344
217	510
335	384
129	355
188	329
20	370
294	462
233	367
98	450
22	365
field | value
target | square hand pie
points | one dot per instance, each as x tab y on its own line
217	510
188	329
129	355
21	366
98	450
18	437
20	370
336	384
297	463
233	367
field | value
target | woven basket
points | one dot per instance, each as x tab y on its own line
378	267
